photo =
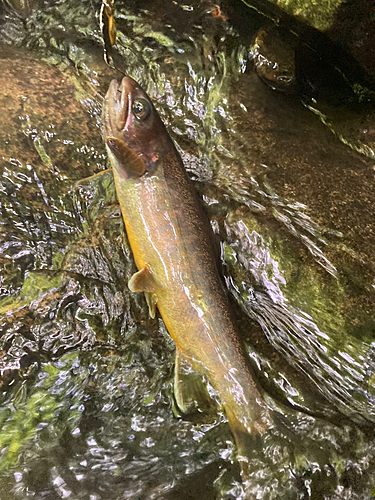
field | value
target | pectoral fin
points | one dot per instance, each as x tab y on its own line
92	193
133	164
190	390
102	184
98	176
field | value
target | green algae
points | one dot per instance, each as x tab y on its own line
35	412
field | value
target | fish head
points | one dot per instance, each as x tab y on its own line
136	138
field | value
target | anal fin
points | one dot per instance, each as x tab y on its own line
190	389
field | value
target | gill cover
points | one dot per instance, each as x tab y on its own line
126	157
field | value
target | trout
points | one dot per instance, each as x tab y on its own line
172	244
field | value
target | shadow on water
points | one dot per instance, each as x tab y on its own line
87	408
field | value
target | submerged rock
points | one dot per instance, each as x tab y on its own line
319	14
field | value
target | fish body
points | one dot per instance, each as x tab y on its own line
172	244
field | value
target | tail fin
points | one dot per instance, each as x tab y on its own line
249	444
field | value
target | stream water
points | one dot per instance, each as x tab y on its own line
87	408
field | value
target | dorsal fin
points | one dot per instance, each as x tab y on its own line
129	160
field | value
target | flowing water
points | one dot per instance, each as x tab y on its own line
87	408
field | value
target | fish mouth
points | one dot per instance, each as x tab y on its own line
117	106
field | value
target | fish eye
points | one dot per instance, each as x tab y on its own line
141	109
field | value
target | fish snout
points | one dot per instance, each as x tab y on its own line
128	85
116	107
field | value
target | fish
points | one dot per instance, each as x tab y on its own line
172	243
